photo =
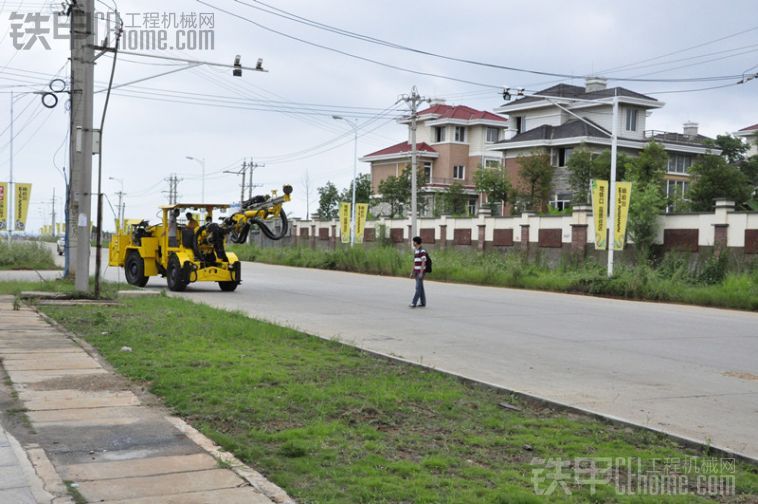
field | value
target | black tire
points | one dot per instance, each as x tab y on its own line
175	275
228	286
231	285
134	270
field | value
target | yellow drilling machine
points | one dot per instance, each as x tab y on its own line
186	251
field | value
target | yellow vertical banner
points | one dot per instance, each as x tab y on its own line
345	222
361	214
21	203
623	198
600	212
3	206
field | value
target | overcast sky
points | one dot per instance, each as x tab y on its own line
148	133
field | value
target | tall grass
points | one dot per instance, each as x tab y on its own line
25	256
710	282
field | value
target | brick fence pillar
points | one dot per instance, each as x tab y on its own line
312	237
524	237
579	239
333	236
443	236
296	234
482	237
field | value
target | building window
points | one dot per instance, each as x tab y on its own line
676	190
560	156
460	134
561	201
439	134
428	172
493	135
520	124
472	205
459	172
679	163
491	163
631	119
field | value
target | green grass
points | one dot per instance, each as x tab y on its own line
108	290
711	282
21	255
331	424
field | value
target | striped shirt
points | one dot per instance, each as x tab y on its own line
419	261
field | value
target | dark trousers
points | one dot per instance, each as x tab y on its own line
420	294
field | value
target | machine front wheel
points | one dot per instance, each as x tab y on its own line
175	276
134	270
228	286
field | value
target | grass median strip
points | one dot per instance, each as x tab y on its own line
330	423
22	255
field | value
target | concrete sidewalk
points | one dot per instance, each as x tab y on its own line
88	427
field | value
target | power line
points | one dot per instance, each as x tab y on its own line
299	19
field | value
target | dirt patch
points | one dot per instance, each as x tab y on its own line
87	383
741	375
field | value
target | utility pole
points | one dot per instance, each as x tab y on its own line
413	101
242	186
53	220
82	17
173	184
252	167
11	213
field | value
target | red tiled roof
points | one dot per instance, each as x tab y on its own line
750	128
400	148
461	112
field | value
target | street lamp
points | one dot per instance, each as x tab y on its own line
353	125
201	162
120	199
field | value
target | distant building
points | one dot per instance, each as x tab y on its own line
550	121
452	143
750	135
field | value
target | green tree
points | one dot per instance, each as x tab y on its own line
601	165
649	167
396	191
493	181
749	168
537	176
328	201
580	169
713	177
362	189
455	200
648	200
732	148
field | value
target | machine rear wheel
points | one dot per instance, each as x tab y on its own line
134	270
175	276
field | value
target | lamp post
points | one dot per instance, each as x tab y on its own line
353	125
201	162
120	200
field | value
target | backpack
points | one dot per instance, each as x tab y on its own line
428	263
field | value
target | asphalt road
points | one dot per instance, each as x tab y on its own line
690	371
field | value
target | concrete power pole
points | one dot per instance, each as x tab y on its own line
242	186
82	15
250	186
413	101
173	185
53	220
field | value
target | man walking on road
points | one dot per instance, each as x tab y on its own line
419	270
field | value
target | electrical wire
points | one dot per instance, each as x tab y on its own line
299	19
